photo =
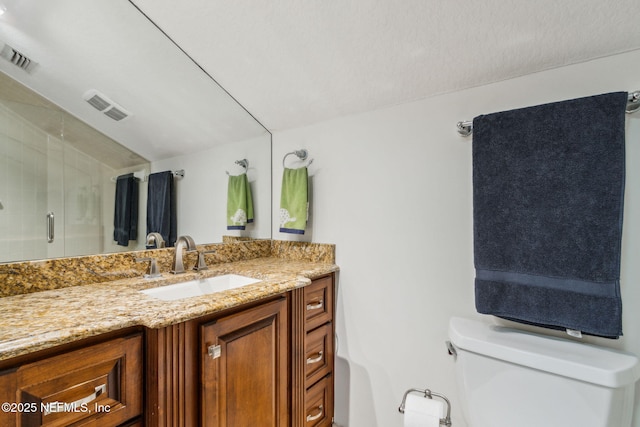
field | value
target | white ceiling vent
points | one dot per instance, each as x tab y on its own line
101	103
18	59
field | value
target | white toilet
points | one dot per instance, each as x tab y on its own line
512	378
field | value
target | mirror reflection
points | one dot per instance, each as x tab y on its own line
61	155
56	195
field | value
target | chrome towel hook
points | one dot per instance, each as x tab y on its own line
301	154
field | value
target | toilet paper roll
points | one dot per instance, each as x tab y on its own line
420	411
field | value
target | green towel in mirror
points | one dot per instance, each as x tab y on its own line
239	202
294	201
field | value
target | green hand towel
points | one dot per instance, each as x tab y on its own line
239	203
294	201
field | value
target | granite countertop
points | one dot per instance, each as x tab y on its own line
45	319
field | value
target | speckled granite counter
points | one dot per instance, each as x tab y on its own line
40	320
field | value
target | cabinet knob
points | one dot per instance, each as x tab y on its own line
215	351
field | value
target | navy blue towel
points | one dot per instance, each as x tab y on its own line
161	206
125	216
548	191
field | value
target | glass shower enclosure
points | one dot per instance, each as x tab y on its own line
57	181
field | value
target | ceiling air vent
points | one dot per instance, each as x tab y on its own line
101	103
116	114
16	58
98	103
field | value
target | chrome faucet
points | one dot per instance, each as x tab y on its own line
155	239
183	242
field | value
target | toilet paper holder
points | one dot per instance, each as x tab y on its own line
429	394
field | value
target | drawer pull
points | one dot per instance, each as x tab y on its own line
53	407
315	306
312	360
316	416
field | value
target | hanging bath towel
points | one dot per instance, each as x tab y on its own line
125	217
239	202
548	189
161	207
294	201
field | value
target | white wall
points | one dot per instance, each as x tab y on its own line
392	188
202	193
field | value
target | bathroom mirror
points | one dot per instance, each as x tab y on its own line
177	118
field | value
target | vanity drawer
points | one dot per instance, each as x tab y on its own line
318	302
100	385
318	351
319	403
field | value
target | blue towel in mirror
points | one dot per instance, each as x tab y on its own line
161	207
548	190
125	216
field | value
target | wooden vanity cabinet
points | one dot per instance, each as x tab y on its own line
97	385
266	364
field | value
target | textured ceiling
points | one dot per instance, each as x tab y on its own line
292	63
289	63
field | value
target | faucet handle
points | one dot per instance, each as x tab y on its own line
153	271
202	264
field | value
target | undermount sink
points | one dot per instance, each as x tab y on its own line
199	287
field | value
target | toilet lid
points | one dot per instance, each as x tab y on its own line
598	365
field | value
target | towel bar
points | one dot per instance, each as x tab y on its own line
429	394
142	176
465	128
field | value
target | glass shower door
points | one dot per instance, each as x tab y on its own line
25	163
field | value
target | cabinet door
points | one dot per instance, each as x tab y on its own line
245	368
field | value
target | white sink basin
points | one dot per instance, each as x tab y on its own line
199	287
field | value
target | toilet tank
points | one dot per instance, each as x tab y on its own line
512	378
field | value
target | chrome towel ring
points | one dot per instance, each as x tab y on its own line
301	154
